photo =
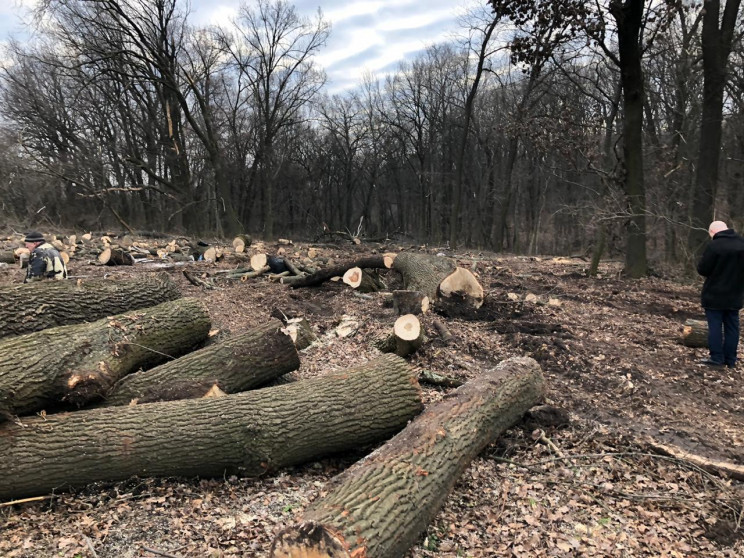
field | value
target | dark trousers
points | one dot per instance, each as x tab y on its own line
723	335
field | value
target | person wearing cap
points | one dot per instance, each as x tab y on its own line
722	265
44	261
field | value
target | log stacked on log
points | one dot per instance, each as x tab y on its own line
323	275
239	363
40	305
248	433
381	505
695	334
79	363
437	276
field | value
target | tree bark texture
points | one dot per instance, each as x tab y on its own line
378	507
247	433
323	275
79	363
239	363
695	334
422	272
410	302
43	304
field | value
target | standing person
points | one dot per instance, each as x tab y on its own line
722	265
44	261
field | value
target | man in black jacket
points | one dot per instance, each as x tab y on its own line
722	265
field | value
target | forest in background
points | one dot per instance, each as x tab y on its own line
120	114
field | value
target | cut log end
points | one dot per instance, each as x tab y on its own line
310	540
407	327
389	259
464	283
353	277
258	261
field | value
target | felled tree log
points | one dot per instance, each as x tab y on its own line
695	334
406	338
241	242
379	506
7	257
238	363
301	332
115	256
247	433
437	276
79	363
410	302
43	304
323	275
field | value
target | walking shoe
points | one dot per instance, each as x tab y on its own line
710	362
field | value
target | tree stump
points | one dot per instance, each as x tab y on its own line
406	338
437	276
380	505
695	334
79	363
239	363
43	304
247	433
410	302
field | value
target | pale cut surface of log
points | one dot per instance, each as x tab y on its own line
40	305
301	332
406	338
258	261
79	363
247	433
380	506
353	277
695	334
463	283
239	363
423	272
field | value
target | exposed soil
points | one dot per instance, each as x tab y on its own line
610	350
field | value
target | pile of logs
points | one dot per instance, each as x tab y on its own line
101	380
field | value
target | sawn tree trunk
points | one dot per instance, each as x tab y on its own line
240	363
247	433
43	304
378	507
79	363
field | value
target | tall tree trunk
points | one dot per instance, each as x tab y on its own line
717	36
629	18
247	433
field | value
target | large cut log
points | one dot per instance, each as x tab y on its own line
43	304
437	276
323	275
7	257
79	363
378	507
239	363
115	256
695	334
247	433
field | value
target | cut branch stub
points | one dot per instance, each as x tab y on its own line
380	505
406	338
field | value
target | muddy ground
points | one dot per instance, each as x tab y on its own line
611	353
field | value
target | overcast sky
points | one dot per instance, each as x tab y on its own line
367	35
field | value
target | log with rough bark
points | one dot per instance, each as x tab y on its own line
43	304
437	276
7	257
405	339
323	275
238	363
247	433
379	507
75	364
695	334
361	280
410	302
